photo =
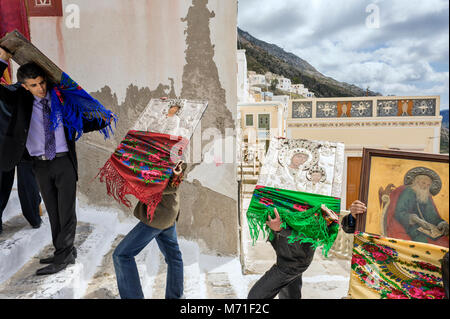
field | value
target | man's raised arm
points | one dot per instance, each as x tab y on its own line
7	96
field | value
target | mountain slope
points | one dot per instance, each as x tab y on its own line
263	57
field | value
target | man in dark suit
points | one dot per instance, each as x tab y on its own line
53	154
26	183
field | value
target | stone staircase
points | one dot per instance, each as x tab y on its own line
100	230
93	275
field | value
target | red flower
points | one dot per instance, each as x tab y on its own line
388	251
266	201
300	207
435	293
148	175
396	294
428	266
416	293
370	248
127	156
417	283
358	259
153	158
379	256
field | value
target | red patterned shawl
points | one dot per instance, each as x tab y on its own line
142	166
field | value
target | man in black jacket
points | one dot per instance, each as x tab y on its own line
285	277
27	187
53	154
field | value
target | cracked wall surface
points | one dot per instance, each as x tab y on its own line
128	52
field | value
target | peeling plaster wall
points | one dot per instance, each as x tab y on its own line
127	52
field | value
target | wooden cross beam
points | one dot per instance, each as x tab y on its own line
23	51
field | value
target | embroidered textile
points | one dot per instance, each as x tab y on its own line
71	104
142	166
300	211
387	268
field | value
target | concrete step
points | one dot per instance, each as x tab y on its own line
25	284
218	286
248	188
103	284
250	181
159	288
12	226
248	170
327	278
19	242
92	243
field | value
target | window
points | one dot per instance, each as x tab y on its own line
249	120
264	121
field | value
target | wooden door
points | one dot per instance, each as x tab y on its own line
353	179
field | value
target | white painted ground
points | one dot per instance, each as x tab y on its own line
206	275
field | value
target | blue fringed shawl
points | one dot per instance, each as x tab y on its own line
71	105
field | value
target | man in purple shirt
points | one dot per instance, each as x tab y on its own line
53	154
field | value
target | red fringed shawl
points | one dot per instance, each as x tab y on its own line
142	166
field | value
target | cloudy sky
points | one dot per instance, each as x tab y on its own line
397	47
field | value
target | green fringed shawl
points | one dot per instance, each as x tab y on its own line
301	211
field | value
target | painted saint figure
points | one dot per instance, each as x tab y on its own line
315	179
412	213
171	123
297	160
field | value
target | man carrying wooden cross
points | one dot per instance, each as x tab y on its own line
36	133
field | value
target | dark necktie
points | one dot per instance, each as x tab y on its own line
50	145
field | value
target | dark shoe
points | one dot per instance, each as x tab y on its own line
38	225
53	268
50	260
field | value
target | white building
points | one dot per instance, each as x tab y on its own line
257	79
270	76
297	88
284	84
284	99
300	89
242	80
267	96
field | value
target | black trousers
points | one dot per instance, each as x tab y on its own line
57	182
285	283
27	189
445	270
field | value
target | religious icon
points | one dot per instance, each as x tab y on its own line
410	210
178	117
304	166
406	196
